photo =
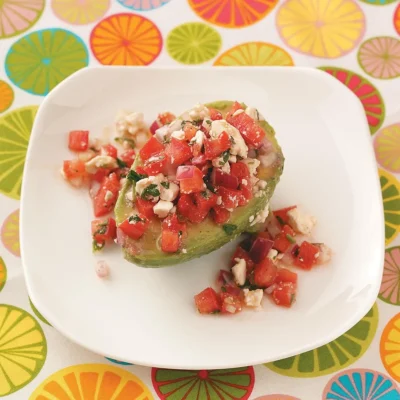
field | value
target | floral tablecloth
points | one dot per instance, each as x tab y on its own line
43	42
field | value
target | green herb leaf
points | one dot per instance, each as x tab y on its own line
150	191
133	176
258	115
225	156
223	289
96	246
135	218
121	164
210	187
280	220
232	140
165	184
215	312
208	121
290	238
180	233
229	228
205	194
102	228
197	121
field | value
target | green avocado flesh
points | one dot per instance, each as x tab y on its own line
207	236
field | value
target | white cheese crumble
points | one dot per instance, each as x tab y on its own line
267	159
301	222
162	208
184	251
143	183
254	113
108	196
261	216
253	298
238	112
198	138
232	159
272	254
100	162
199	111
238	147
180	135
324	254
244	182
169	194
252	164
220	163
130	123
239	271
129	196
206	124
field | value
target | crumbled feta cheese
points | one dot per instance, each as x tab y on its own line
220	163
238	112
162	208
130	123
219	200
253	113
301	222
239	271
173	210
261	216
141	139
108	196
232	159
251	218
206	124
169	194
129	196
143	183
199	111
238	147
198	138
85	156
324	254
184	251
100	162
253	298
253	181
244	182
252	164
162	133
261	184
180	135
272	254
267	159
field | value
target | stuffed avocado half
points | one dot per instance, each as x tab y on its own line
196	185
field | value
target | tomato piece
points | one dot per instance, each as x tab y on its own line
281	214
109	150
220	178
154	126
220	215
152	147
215	114
240	252
246	194
169	241
230	197
100	174
134	226
178	151
252	133
306	255
214	147
285	275
199	160
105	199
205	201
265	273
230	303
240	170
104	230
284	294
128	157
188	209
166	118
78	140
155	164
190	131
75	172
236	106
173	223
284	239
140	170
145	207
193	183
208	301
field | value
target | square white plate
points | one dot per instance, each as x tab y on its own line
147	316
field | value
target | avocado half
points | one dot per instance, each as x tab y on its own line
207	236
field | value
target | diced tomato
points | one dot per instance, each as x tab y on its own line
178	152
252	133
205	201
230	303
169	241
220	178
214	147
109	150
264	235
188	209
106	197
240	170
214	114
78	140
173	224
140	170
236	106
190	131
199	160
155	164
104	230
230	197
246	194
166	118
284	294
154	126
145	207
265	273
281	214
242	253
284	239
135	226
208	301
306	255
192	182
152	147
75	172
220	215
285	275
128	157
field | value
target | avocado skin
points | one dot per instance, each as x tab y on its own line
205	237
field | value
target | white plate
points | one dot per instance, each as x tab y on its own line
147	316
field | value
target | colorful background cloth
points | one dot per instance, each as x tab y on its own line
43	42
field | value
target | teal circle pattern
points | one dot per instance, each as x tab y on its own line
143	5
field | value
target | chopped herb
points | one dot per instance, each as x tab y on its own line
317	244
121	140
134	176
135	218
93	149
96	246
210	187
205	194
225	156
166	140
184	122
180	233
229	228
197	121
208	121
258	115
290	238
151	190
232	140
280	220
102	228
215	312
223	289
122	175
165	184
121	164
